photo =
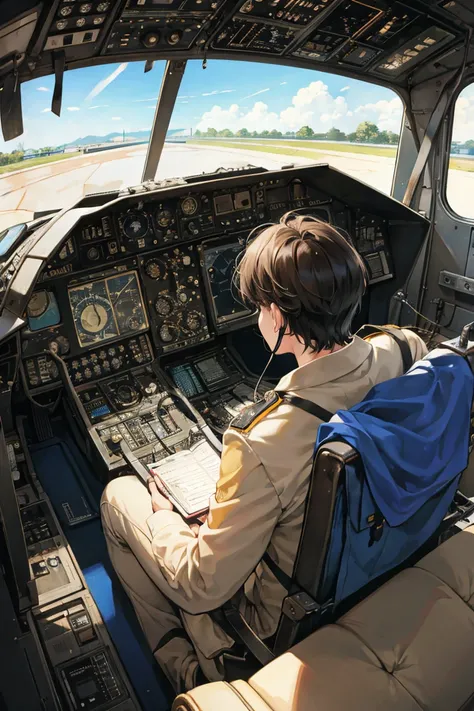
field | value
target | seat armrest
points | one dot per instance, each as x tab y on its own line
220	695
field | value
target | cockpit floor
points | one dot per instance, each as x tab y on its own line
59	466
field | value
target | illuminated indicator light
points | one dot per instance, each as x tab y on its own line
86	7
65	11
429	40
102	6
61	24
98	20
80	22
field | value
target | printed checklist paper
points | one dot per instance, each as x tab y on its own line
189	478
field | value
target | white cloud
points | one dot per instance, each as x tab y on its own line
344	88
116	118
262	91
98	106
46	111
73	108
283	82
386	114
217	91
138	101
105	82
312	105
42	88
185	102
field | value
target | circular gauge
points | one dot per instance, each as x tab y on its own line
93	254
65	11
80	22
38	304
155	269
135	225
164	218
166	333
134	323
189	206
127	395
61	25
164	305
94	317
194	321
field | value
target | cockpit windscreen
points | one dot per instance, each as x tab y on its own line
219	265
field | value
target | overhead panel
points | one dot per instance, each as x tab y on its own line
77	23
153	24
415	51
248	36
292	12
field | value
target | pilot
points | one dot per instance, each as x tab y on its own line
307	282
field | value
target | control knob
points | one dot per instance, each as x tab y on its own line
151	388
116	363
193	228
59	345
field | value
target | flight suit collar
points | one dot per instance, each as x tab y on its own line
327	368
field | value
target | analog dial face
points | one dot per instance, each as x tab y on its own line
95	316
167	333
164	218
38	304
107	308
135	225
164	305
155	269
193	321
189	206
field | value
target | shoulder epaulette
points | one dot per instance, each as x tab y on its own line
252	414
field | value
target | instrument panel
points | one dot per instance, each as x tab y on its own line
151	275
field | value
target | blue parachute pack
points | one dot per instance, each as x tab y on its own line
412	436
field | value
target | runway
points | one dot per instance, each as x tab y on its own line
56	185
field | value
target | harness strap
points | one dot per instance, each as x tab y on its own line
308	406
398	337
280	575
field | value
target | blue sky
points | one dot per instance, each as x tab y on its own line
227	94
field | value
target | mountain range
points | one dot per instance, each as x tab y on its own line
109	137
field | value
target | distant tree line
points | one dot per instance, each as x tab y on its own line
17	155
366	132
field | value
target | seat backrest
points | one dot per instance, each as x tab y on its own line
345	543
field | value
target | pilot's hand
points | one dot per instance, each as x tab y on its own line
158	501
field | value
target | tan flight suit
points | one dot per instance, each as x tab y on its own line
258	508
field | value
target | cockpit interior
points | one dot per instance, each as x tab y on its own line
123	338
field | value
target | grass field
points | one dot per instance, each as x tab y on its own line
31	162
295	147
462	164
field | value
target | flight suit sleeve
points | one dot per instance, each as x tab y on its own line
204	572
417	345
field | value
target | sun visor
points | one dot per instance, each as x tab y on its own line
10	107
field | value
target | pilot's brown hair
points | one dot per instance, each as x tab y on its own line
311	272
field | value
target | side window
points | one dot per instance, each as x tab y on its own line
460	185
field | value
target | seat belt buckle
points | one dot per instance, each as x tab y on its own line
299	605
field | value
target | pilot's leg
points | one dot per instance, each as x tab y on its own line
125	507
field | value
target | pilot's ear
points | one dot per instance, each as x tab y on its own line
277	317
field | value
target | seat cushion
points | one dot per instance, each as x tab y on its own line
330	671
